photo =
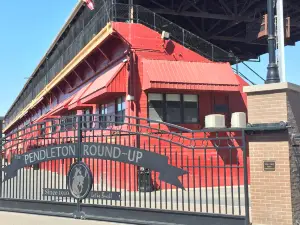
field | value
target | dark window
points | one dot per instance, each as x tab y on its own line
221	108
43	129
112	113
107	114
53	126
155	102
103	113
120	110
68	122
87	118
190	109
173	108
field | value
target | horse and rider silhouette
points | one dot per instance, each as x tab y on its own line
78	181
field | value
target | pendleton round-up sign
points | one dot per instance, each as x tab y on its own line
120	153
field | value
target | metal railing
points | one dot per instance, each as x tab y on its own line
215	161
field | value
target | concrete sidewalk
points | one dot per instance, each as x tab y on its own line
8	218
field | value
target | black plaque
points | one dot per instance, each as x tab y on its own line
269	165
108	195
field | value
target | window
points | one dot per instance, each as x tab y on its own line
53	126
173	108
103	113
43	129
112	113
68	122
190	108
107	112
155	105
120	110
87	118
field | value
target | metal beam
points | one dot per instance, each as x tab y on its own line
160	5
205	15
226	7
77	75
234	39
90	65
201	32
68	83
103	53
213	26
251	3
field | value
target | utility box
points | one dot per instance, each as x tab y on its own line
238	120
215	121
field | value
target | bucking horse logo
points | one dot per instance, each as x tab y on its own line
78	181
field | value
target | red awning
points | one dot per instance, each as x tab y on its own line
61	107
111	80
75	103
164	74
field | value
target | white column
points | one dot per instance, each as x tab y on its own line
281	40
131	11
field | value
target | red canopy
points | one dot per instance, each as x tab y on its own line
111	80
165	74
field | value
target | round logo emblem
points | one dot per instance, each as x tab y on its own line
80	180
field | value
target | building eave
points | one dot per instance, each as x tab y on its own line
99	38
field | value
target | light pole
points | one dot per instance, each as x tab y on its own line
272	74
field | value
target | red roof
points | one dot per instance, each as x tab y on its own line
103	84
167	74
77	96
61	106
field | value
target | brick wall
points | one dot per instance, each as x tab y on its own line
270	191
293	99
275	194
267	107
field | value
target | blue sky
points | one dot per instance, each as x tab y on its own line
29	27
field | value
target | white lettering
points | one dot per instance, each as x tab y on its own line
133	155
65	151
100	150
108	151
53	152
42	154
58	150
31	156
117	152
36	156
85	150
72	149
139	155
26	159
47	154
93	150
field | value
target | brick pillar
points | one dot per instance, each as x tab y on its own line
275	194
